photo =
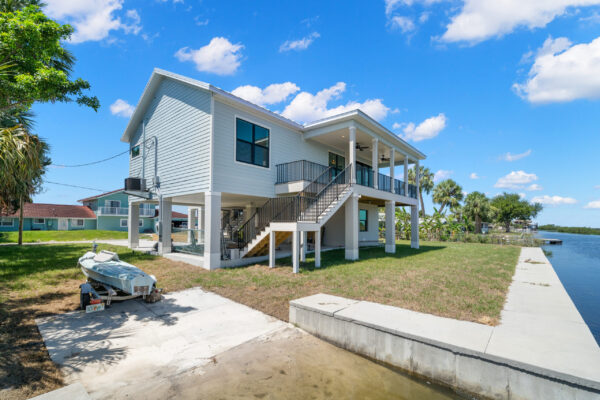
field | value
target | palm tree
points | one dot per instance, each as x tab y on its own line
447	193
425	183
23	162
477	208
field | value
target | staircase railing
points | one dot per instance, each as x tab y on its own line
306	205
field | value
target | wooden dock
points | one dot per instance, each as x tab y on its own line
550	241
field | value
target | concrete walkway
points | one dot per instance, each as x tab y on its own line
541	343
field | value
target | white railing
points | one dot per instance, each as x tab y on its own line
144	212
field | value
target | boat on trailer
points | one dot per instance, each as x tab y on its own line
106	268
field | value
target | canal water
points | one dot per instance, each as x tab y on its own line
577	263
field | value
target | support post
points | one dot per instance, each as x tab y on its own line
133	229
418	183
164	243
295	251
318	248
414	227
405	175
303	245
375	162
392	168
390	227
191	225
212	236
272	249
201	224
352	153
351	242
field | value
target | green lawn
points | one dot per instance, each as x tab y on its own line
60	236
458	280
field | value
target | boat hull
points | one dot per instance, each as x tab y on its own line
117	274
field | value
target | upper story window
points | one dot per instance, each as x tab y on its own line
252	143
112	203
135	151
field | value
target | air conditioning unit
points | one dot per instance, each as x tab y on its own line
135	184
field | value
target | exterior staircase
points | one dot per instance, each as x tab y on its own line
322	198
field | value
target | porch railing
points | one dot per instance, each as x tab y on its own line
384	182
412	191
301	170
399	187
144	212
364	176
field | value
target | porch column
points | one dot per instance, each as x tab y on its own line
303	245
164	236
192	239
392	168
418	183
133	228
201	224
295	251
352	155
390	227
212	236
414	227
318	248
272	249
405	175
375	162
351	242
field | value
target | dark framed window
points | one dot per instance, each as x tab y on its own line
337	164
135	151
252	143
363	220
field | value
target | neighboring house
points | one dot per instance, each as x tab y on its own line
50	217
253	179
112	210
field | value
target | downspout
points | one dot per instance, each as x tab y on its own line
144	151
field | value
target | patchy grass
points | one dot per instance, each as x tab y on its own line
457	280
61	236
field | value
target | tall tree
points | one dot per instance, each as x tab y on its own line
509	206
30	43
447	193
23	161
425	183
477	209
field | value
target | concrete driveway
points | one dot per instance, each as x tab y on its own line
196	344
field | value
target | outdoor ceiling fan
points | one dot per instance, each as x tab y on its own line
384	158
360	147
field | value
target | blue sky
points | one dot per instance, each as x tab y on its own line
500	95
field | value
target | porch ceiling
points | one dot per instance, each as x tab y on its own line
338	140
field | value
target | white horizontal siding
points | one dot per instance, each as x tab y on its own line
179	116
286	145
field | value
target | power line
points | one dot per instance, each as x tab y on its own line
90	163
75	186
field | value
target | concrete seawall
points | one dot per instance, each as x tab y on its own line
542	348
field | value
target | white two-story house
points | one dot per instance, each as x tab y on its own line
255	181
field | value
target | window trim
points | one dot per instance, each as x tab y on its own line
366	220
75	222
33	221
235	139
109	200
137	146
7	219
140	223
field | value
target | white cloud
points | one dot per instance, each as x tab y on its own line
93	20
593	204
307	107
514	157
553	200
522	195
427	129
474	175
563	72
515	180
300	44
219	57
441	175
272	94
479	20
405	24
534	187
121	108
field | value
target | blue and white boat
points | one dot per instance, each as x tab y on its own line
106	268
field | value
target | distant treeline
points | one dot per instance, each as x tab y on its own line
570	229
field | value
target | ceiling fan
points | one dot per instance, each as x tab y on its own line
360	147
384	158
